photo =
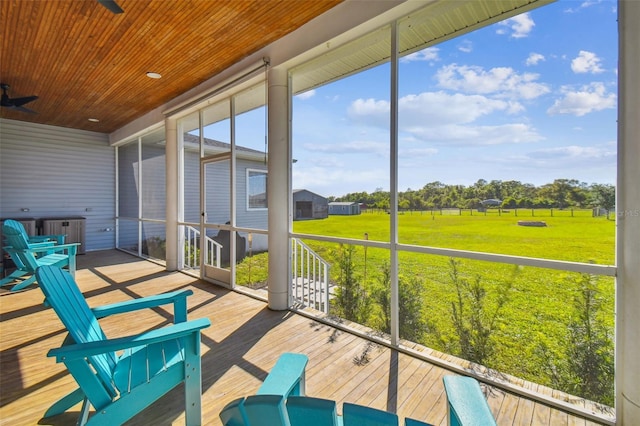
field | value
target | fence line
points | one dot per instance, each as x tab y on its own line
514	212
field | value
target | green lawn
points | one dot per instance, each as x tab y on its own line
581	238
531	332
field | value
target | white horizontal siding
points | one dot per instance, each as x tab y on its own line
56	172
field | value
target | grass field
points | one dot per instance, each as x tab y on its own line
531	331
580	238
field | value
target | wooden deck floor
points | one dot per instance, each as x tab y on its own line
240	347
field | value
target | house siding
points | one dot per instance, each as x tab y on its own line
153	193
58	172
218	207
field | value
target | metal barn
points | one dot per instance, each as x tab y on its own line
308	205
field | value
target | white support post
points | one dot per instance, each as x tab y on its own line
628	217
279	169
393	130
171	164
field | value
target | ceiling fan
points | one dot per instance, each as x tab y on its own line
15	103
111	5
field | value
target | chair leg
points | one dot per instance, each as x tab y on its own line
84	413
65	403
72	265
25	283
192	381
13	276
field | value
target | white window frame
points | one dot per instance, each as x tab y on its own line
248	196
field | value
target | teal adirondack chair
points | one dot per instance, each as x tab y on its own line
120	386
35	239
28	256
281	401
466	405
278	410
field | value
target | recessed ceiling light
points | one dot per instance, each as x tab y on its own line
93	120
153	75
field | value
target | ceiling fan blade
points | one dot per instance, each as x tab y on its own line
23	109
111	5
21	101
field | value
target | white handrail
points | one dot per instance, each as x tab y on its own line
310	277
211	249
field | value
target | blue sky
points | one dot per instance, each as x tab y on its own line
532	98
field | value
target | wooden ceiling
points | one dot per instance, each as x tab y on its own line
84	61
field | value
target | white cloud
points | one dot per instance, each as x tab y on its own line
503	81
515	133
414	153
586	62
428	54
534	58
589	163
427	109
572	152
351	147
465	46
593	97
583	5
443	118
306	95
370	111
439	108
520	26
586	163
338	180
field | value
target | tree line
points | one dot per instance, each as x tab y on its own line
561	193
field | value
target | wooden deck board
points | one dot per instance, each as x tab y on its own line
238	350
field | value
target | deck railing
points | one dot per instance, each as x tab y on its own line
310	277
192	249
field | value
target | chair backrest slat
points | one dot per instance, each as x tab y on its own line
353	414
16	237
308	411
64	296
233	413
266	410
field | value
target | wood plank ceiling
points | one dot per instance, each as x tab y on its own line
83	61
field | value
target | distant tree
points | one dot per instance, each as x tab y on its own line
509	203
603	195
563	193
480	189
495	189
524	203
382	204
471	203
416	202
542	203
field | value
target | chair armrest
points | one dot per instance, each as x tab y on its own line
178	298
287	377
466	405
58	238
34	244
83	350
72	247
